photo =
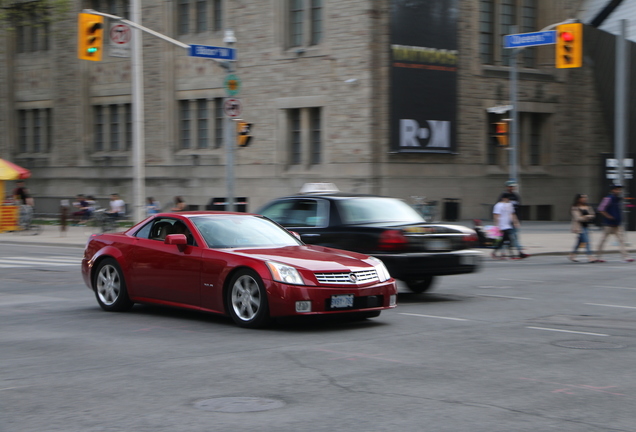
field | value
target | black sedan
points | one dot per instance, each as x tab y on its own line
413	250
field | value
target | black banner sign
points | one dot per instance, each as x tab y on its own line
424	76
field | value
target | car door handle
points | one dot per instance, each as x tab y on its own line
310	235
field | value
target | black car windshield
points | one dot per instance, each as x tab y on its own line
232	231
377	209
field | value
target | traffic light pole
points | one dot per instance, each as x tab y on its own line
621	110
230	134
514	126
138	149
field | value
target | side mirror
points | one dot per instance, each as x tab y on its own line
176	239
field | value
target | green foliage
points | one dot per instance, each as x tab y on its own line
26	12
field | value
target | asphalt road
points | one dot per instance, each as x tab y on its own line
534	345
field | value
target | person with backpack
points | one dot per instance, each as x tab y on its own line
611	207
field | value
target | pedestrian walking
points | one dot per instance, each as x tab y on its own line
612	210
179	204
582	217
505	219
152	206
515	199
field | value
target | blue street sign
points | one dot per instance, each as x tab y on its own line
213	52
530	39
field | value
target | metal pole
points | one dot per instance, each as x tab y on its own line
621	107
230	133
138	150
514	117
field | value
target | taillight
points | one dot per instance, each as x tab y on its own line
392	240
471	240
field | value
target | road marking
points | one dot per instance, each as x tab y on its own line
614	306
508	297
615	287
433	316
567	331
521	280
51	261
494	287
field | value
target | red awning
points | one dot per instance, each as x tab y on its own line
11	171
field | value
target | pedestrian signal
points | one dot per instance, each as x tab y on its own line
501	133
569	46
243	130
90	36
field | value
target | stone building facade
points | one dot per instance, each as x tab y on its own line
316	87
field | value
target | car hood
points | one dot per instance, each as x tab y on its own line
313	258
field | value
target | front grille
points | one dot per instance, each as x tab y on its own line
359	277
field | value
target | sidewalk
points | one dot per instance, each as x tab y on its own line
537	238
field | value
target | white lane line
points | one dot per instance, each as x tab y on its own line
47	259
5	264
615	287
494	287
614	306
433	316
521	280
567	331
508	297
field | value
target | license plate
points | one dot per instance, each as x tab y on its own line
438	244
342	301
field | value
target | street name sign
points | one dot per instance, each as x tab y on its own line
530	39
213	52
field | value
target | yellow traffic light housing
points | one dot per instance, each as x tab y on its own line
569	46
501	133
243	130
90	36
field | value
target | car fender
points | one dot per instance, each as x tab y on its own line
107	252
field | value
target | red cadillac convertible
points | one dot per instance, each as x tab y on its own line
237	264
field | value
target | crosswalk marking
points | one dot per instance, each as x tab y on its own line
50	261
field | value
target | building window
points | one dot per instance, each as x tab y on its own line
129	131
295	137
316	136
202	123
198	119
113	7
22	131
316	21
199	16
32	28
113	127
304	22
505	15
536	127
219	118
304	136
34	130
99	128
184	121
218	14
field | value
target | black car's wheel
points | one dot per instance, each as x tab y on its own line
110	287
421	285
247	300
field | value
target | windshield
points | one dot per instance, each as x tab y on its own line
377	209
232	231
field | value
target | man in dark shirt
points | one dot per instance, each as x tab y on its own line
612	210
21	193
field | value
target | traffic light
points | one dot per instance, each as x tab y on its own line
90	36
243	130
501	133
569	45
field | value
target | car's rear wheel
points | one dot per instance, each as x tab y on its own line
247	300
110	287
420	285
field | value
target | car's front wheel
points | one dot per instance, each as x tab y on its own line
247	300
420	285
110	287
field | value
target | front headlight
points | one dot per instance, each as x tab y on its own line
380	268
285	273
